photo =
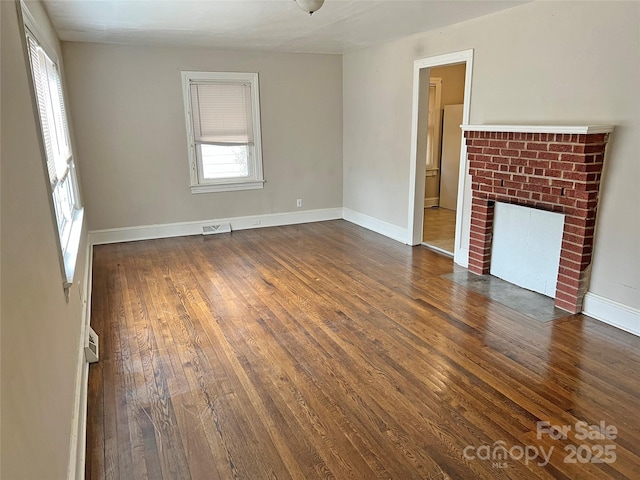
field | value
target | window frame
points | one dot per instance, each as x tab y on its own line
255	179
68	230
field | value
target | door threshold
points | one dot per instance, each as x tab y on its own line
442	251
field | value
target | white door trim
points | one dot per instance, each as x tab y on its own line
417	169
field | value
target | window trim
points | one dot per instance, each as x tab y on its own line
67	253
256	178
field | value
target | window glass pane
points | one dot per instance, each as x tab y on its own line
224	161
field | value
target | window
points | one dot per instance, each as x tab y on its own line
59	157
222	111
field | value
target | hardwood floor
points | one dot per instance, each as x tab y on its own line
439	228
324	351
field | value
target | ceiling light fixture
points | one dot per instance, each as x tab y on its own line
309	6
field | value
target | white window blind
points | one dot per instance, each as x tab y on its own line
55	132
222	113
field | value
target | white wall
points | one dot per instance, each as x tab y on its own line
40	330
543	62
128	109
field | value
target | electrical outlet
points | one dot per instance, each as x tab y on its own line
299	202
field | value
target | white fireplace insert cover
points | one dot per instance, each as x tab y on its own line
526	247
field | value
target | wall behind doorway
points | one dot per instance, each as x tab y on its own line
452	93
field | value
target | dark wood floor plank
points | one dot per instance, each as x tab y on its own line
327	351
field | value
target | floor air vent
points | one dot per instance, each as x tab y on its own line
212	229
91	346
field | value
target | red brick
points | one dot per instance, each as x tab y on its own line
573	256
528	154
575	229
509	152
478	229
478	201
578	148
569	273
503	160
537	146
570	307
516	145
594	138
561	295
568	289
553	199
587	186
498	143
548	155
589	167
539	188
577	212
572	238
560	147
576	248
570	157
561	165
583	177
539	163
540	180
594	148
570	264
515	185
561	183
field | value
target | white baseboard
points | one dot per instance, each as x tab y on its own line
148	232
613	313
431	202
77	451
370	223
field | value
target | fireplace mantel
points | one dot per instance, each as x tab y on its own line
568	129
548	167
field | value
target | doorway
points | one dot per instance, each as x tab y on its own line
439	186
444	136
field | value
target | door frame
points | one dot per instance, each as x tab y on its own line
417	168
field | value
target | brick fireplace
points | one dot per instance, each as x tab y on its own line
557	169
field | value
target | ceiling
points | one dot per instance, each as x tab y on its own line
269	25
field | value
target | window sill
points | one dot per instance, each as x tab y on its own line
70	255
227	187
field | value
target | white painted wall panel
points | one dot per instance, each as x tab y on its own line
526	247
